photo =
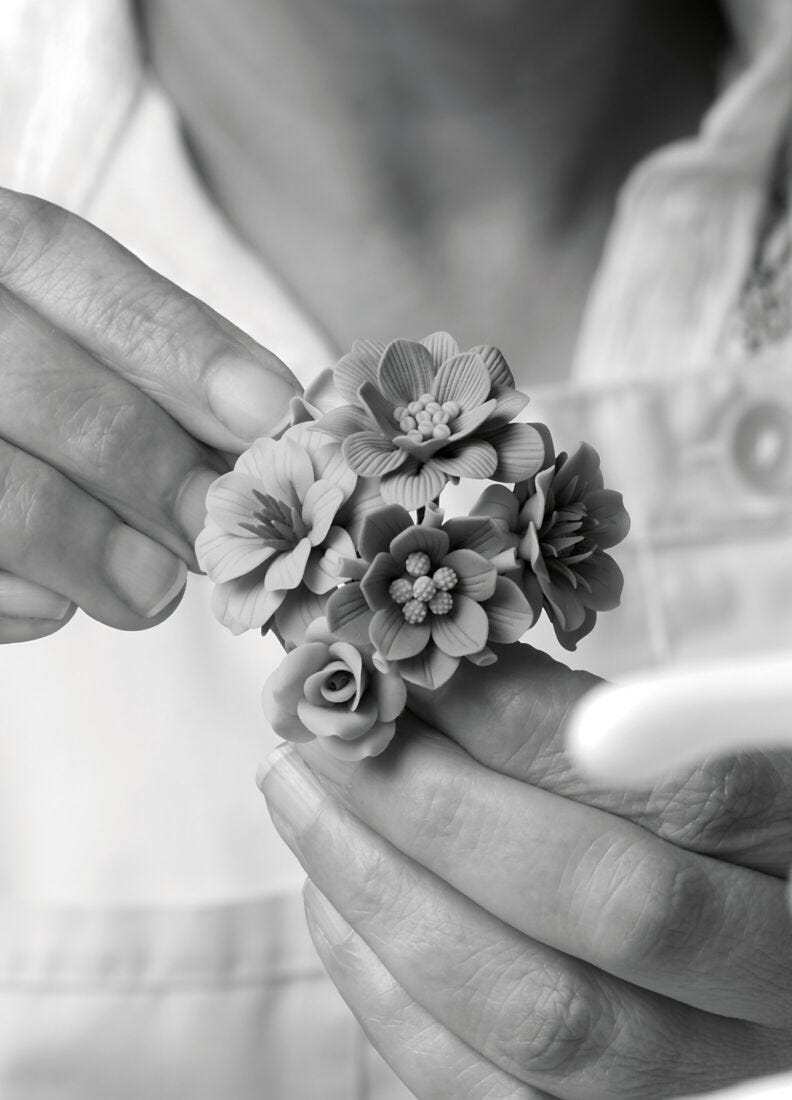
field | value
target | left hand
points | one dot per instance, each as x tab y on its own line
503	929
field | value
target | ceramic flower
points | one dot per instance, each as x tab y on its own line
421	413
561	522
429	594
271	531
332	690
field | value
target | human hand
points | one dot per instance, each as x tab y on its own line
503	928
119	394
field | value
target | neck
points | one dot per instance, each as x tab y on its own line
413	163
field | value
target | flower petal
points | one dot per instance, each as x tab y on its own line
225	556
430	669
245	603
431	540
520	449
348	614
288	680
379	408
330	465
286	570
463	379
479	533
316	688
338	721
284	723
371	744
476	576
390	691
297	614
463	630
469	422
342	422
281	465
364	500
606	508
497	367
509	612
321	573
231	504
414	485
353	659
569	638
321	391
356	367
370	454
470	458
422	451
320	505
441	346
508	404
498	503
605	582
394	637
381	527
483	658
563	604
406	371
377	581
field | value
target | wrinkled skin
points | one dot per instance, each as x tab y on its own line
120	399
504	929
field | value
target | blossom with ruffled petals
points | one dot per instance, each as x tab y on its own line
429	594
332	691
560	523
270	536
421	413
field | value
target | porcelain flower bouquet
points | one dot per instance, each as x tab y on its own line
332	535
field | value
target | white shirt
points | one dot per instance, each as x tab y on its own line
153	943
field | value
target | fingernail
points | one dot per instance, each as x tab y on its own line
19	599
249	399
191	502
144	574
336	771
290	788
325	916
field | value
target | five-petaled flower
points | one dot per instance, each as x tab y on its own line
560	523
429	594
271	530
332	690
422	413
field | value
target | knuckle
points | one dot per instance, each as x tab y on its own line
26	505
106	430
549	1030
443	804
659	914
28	226
723	804
147	324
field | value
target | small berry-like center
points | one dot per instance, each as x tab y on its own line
425	418
419	594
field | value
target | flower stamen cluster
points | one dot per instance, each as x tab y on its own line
424	594
426	418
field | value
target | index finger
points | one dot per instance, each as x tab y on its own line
216	381
512	717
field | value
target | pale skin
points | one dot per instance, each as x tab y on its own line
500	928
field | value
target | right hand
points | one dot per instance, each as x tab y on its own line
119	396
